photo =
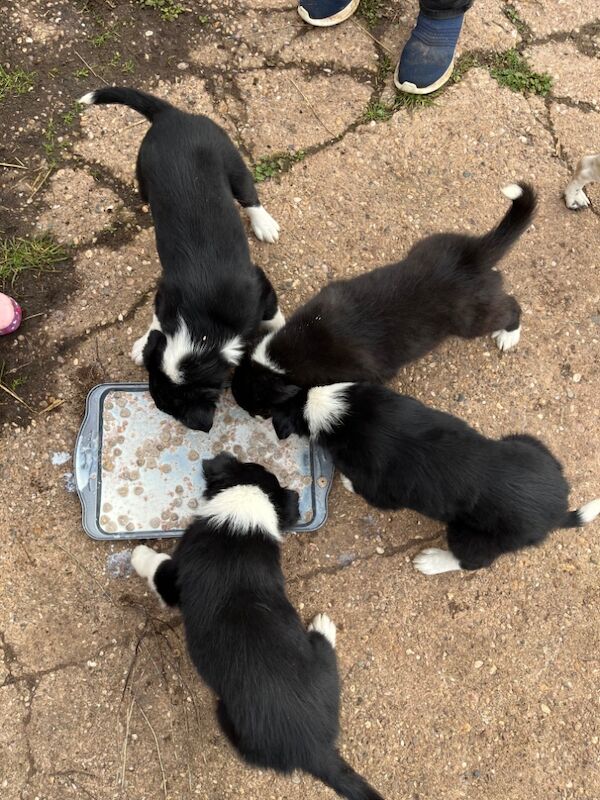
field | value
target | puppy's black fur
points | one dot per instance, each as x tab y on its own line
495	496
367	327
189	172
277	684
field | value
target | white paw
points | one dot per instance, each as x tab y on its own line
433	560
576	200
347	483
265	228
323	625
137	351
275	323
506	340
142	560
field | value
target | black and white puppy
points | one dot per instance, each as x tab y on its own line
277	683
367	327
496	496
211	299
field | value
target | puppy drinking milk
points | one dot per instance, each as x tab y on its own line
277	683
367	327
496	496
211	299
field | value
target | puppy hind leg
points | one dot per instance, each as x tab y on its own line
322	624
226	723
159	570
141	181
271	317
434	560
474	548
509	325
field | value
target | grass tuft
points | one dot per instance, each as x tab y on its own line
511	69
377	111
512	15
370	11
384	68
269	166
169	10
38	253
15	82
413	101
462	65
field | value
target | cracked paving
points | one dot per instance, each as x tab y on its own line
479	685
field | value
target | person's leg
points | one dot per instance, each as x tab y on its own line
427	59
324	13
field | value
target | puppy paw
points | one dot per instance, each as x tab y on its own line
576	200
137	351
347	484
506	340
142	560
323	625
433	560
265	228
275	323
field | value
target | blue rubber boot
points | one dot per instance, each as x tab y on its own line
324	13
427	60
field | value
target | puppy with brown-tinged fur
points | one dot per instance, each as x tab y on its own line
588	170
367	327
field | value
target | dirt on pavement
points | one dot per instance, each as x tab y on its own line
482	686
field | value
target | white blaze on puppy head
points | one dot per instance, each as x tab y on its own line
245	508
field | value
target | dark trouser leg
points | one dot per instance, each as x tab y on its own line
427	59
443	9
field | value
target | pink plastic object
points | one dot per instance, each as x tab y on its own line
10	315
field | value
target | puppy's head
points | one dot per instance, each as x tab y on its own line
226	472
259	389
189	389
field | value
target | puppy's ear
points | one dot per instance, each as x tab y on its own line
283	423
215	468
290	511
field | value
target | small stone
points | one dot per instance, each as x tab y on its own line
545	708
380	551
577	377
182	65
478	664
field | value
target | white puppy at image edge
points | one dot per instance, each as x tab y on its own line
588	170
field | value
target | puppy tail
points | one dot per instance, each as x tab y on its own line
146	104
340	776
492	246
583	515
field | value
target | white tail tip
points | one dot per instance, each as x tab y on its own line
87	99
589	511
512	191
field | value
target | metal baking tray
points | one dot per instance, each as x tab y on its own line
138	472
